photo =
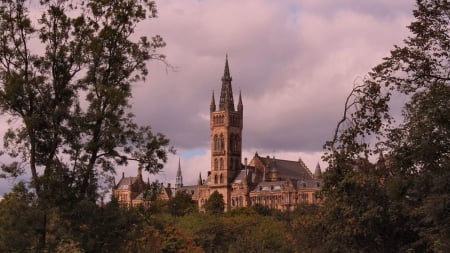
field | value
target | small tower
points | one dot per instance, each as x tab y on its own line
179	178
240	106
200	181
318	171
212	107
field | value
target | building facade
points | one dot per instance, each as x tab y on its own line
266	181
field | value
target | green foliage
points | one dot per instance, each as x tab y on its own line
21	223
238	231
401	201
70	102
215	204
182	204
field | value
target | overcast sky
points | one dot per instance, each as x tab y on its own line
293	61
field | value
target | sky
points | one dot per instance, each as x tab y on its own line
293	61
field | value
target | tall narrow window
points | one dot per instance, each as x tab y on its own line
216	164
216	142
221	163
215	179
222	143
221	178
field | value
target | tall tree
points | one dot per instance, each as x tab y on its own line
215	203
406	193
65	84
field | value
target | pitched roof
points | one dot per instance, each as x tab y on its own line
241	176
288	169
125	182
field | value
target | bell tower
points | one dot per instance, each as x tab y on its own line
226	124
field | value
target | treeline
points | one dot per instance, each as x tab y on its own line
87	227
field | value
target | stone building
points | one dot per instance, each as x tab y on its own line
130	191
271	182
266	181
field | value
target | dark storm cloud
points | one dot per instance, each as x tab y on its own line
294	61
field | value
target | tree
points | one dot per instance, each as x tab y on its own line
215	203
182	204
20	222
68	100
405	192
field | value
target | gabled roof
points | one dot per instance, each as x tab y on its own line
125	182
241	177
288	169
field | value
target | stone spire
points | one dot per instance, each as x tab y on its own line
240	106
226	102
200	180
212	107
140	172
179	178
318	171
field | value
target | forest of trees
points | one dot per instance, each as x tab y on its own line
386	188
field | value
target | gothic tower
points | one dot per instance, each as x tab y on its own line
226	138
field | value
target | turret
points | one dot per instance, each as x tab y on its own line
212	107
240	106
318	171
200	181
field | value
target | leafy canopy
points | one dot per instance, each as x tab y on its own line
65	87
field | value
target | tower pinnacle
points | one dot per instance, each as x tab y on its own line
240	106
226	72
226	102
179	178
212	107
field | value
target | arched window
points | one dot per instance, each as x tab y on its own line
215	179
216	164
221	178
221	163
222	142
216	142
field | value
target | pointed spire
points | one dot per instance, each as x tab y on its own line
226	72
212	107
240	106
200	181
179	178
318	171
226	102
140	171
